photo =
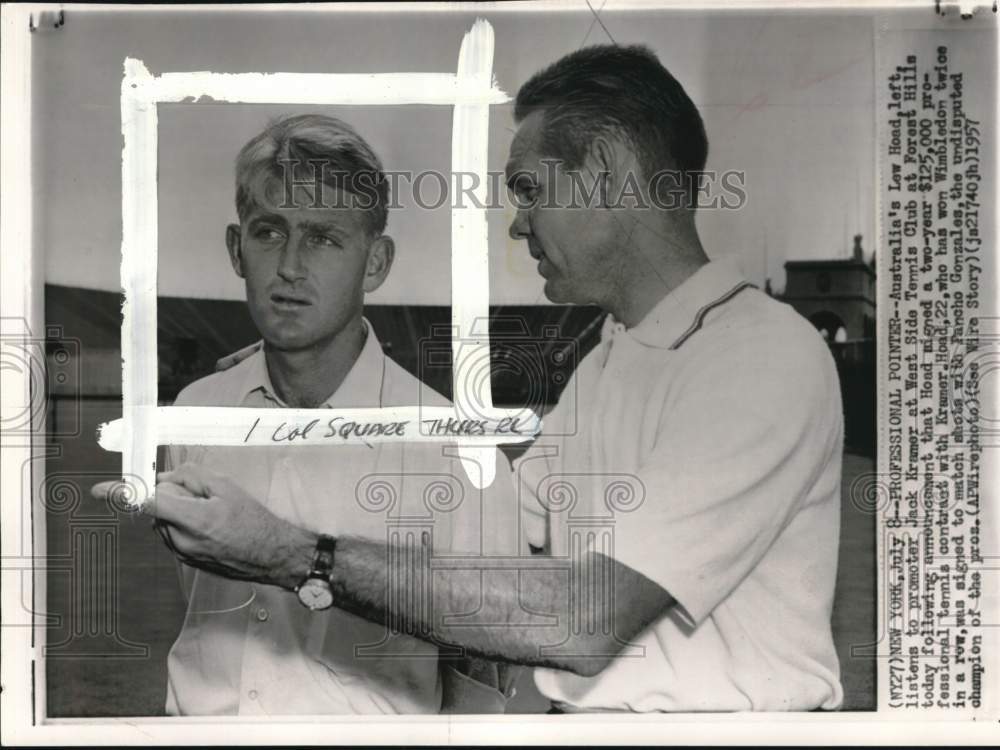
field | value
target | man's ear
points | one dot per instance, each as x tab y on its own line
235	247
381	253
608	161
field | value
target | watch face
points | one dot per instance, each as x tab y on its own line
316	594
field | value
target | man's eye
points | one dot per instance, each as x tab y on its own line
267	234
324	240
526	195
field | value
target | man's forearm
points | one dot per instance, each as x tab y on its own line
575	614
509	615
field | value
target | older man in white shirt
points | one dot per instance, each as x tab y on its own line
687	498
719	414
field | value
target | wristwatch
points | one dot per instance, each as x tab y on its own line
315	591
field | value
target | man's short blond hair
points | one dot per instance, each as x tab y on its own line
304	143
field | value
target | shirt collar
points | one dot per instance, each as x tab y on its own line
361	388
680	313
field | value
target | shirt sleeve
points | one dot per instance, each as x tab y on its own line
744	435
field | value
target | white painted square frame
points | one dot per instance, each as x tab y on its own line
144	425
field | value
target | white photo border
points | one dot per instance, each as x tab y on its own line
144	425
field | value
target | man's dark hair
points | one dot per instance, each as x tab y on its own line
618	91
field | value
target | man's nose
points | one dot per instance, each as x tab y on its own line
520	228
290	266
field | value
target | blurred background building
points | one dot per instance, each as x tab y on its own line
838	297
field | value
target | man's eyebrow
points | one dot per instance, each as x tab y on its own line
321	226
269	217
309	225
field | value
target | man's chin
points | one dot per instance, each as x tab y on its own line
552	292
288	333
555	292
285	341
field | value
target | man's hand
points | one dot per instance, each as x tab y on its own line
211	523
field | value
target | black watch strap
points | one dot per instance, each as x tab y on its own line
323	557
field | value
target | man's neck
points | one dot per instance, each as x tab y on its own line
661	258
307	378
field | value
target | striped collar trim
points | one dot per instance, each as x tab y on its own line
699	318
683	312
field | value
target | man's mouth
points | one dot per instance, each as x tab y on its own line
538	256
288	301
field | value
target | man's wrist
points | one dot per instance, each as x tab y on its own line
297	561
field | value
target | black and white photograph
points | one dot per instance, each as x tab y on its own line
531	366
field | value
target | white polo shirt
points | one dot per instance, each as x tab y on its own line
251	649
702	448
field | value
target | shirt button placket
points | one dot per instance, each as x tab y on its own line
252	672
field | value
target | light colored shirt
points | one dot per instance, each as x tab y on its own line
251	649
702	448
